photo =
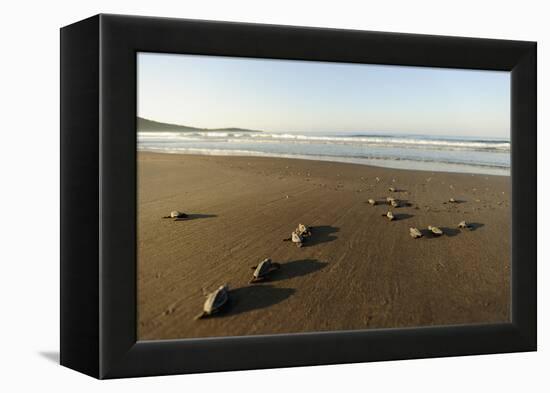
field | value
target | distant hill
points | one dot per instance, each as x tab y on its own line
153	126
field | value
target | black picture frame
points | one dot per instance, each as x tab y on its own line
98	194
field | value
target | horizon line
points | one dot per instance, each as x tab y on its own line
371	132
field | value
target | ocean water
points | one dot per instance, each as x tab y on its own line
420	152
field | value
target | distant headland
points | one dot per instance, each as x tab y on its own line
146	125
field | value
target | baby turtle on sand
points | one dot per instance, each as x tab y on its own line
435	230
464	225
391	189
303	230
299	235
176	214
297	239
263	269
215	301
390	215
415	233
372	202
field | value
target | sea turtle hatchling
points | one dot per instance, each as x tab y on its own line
464	225
263	269
299	235
215	301
371	202
390	216
415	233
297	239
303	230
435	230
176	214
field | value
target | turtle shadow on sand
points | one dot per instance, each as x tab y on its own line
447	231
427	234
298	268
475	225
196	217
404	203
321	234
253	297
400	202
402	216
451	232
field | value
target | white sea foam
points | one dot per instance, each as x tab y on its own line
440	143
473	155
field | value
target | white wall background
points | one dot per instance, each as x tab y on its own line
29	193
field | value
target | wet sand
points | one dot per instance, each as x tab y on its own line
358	271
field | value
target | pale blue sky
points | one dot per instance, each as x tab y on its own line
305	96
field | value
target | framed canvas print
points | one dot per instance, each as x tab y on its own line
239	196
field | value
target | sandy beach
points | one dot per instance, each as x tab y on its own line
358	270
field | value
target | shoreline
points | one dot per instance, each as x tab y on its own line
359	271
491	170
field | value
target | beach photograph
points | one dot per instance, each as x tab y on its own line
285	196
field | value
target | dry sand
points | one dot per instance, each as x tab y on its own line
358	271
